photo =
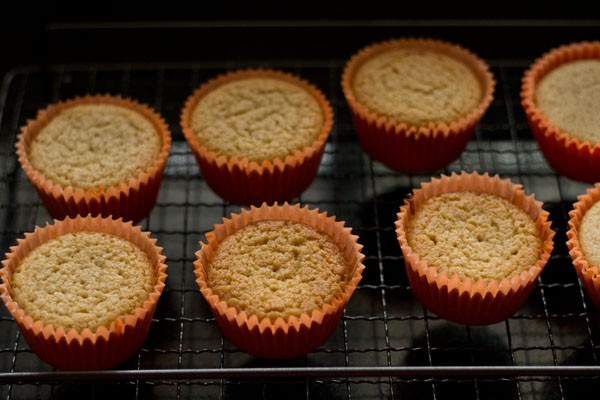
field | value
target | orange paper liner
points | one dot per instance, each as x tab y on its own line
412	148
588	274
468	301
132	200
566	154
241	181
107	346
294	336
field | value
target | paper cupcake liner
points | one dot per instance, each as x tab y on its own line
241	181
566	154
410	148
468	301
588	274
132	200
294	336
107	346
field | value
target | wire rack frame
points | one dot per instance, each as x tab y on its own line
387	345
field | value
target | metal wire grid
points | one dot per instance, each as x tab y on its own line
388	345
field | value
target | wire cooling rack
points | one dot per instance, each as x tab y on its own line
387	345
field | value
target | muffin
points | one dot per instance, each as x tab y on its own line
98	155
561	105
258	135
583	239
278	278
473	246
83	291
415	102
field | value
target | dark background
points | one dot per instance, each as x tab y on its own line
111	31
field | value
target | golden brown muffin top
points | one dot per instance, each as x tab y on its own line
569	96
417	86
83	280
95	145
589	236
258	118
475	235
275	269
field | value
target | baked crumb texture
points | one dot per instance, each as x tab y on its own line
83	290
258	135
258	118
95	146
417	86
415	103
474	235
589	235
473	246
569	95
83	280
276	269
560	98
95	155
584	241
282	277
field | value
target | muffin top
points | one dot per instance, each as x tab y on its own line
474	235
83	280
589	235
257	118
569	96
417	86
275	269
95	145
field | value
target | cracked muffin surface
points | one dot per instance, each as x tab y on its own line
474	235
276	268
417	86
83	280
570	97
258	118
95	145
